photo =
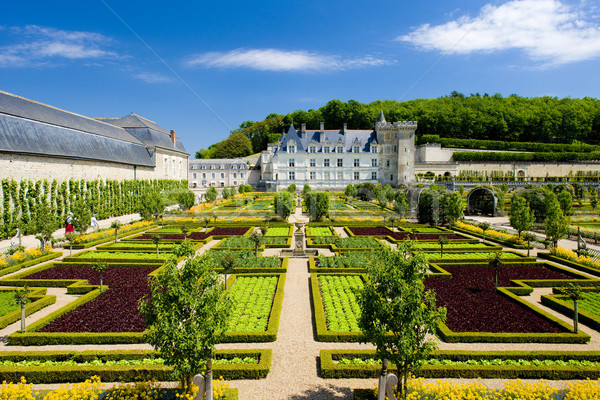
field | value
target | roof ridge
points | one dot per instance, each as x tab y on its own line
139	116
59	109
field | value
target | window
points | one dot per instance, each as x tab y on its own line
291	175
221	166
340	149
373	162
340	176
291	162
203	167
326	149
165	164
312	175
356	149
356	175
312	149
326	162
173	167
194	184
356	162
387	163
213	175
194	175
374	175
291	148
222	184
340	162
373	149
234	183
391	177
395	149
222	175
313	162
241	174
235	174
204	175
326	175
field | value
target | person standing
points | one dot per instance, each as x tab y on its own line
69	223
94	222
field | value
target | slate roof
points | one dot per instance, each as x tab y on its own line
29	127
148	132
365	137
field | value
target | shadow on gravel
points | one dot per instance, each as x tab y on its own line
327	392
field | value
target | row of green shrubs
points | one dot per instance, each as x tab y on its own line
524	157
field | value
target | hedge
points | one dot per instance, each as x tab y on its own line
503	242
46	375
79	246
38	300
485	156
312	267
281	270
556	302
29	263
80	258
331	369
569	263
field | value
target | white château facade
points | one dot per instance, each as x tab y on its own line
335	158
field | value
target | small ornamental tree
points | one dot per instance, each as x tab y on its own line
187	313
565	199
228	263
257	239
574	293
291	188
206	218
184	249
528	237
397	314
185	230
484	226
494	263
22	299
317	204
401	204
44	224
305	189
520	217
151	205
211	194
81	215
283	204
116	225
100	267
156	240
226	193
442	240
71	238
186	199
556	224
451	208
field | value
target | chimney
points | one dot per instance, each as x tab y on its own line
345	127
322	133
173	137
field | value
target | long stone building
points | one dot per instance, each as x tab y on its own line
38	141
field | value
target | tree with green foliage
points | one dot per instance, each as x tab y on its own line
529	237
21	297
442	240
494	263
184	249
556	223
44	224
100	267
228	263
401	206
151	205
156	240
70	237
451	208
429	205
185	230
116	225
484	226
186	314
397	313
226	193
284	204
305	190
574	293
565	199
520	217
350	191
291	188
211	194
257	239
81	215
317	205
236	145
185	199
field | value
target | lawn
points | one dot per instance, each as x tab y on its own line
7	302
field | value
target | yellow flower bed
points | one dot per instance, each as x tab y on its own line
23	255
490	233
93	236
572	256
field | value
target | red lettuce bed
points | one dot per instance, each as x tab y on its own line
400	235
197	235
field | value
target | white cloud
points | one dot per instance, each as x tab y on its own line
151	77
38	45
548	31
280	60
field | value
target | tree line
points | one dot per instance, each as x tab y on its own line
511	119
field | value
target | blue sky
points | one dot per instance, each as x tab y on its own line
202	68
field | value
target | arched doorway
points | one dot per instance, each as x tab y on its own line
482	201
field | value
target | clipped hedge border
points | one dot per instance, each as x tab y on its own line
569	263
62	374
331	369
522	258
487	237
556	302
38	300
29	263
312	267
489	247
465	239
337	250
270	335
283	266
79	246
149	248
80	257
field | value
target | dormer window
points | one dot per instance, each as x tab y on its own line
355	149
212	167
326	149
373	149
312	149
291	148
340	149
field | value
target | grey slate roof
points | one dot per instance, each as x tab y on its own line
29	127
365	137
148	132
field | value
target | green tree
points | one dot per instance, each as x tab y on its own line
283	204
291	188
21	297
484	226
574	293
228	263
521	216
397	314
184	249
305	190
186	314
100	267
116	225
556	224
317	204
257	239
151	205
494	263
350	191
442	240
236	145
156	240
429	205
226	193
451	208
565	199
44	223
185	199
70	237
401	206
185	230
529	237
81	215
211	194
